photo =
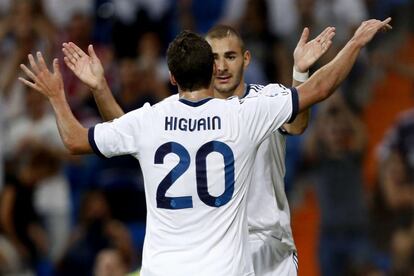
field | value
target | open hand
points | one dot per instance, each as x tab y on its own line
88	68
368	29
50	84
307	53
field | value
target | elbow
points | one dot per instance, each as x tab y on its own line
298	129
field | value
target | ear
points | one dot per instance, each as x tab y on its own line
172	79
246	58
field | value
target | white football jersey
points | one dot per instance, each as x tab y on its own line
197	160
268	209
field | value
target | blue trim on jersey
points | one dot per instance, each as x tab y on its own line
247	91
295	104
194	104
91	139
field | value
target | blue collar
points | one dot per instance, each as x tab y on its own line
195	104
246	91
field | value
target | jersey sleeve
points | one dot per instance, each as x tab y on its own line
269	110
121	136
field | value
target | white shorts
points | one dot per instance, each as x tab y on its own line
273	258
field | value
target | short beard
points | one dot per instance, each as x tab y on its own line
229	91
226	90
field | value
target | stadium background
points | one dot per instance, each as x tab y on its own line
85	206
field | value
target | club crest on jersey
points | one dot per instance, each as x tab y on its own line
190	124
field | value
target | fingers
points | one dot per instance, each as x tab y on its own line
70	53
69	63
41	62
325	38
69	57
323	34
77	50
386	25
377	24
28	83
73	50
33	64
91	52
56	68
28	72
304	37
386	21
30	75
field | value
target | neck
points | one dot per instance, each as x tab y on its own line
197	94
239	92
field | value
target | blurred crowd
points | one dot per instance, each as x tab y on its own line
70	215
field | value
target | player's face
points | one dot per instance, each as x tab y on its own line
230	64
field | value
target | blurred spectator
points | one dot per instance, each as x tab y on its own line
198	15
110	262
270	62
24	241
402	250
24	30
131	19
1	145
344	15
397	168
284	19
151	58
394	204
61	12
96	231
36	131
138	84
335	148
79	31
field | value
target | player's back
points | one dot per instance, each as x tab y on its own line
196	191
196	160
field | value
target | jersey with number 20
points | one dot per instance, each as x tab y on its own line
197	160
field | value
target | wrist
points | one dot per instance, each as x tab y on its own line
355	42
101	85
57	99
300	76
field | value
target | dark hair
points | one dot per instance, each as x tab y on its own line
190	60
223	31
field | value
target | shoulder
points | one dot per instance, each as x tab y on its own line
272	89
171	98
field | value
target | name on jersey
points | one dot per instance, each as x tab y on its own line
188	124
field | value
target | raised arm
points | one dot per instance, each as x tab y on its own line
50	84
325	81
89	69
305	55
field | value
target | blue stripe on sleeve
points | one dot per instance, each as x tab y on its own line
295	104
91	139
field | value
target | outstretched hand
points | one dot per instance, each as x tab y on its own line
368	29
50	84
88	68
307	53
